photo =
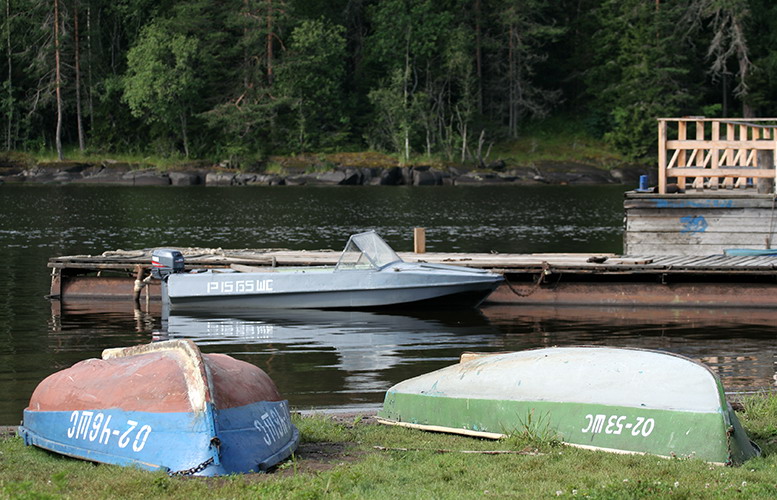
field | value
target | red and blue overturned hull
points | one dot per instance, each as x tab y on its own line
211	436
252	438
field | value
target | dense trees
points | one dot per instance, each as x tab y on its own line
239	79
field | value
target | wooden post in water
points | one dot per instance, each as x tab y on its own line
419	240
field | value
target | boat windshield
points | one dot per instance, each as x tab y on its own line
366	251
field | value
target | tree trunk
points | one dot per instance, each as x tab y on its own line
58	81
246	55
184	135
9	80
269	42
464	143
481	140
478	58
724	92
406	119
511	97
81	140
89	66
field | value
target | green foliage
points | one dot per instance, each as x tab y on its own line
311	76
161	77
642	70
243	79
396	115
520	43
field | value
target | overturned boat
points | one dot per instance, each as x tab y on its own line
613	399
369	274
163	406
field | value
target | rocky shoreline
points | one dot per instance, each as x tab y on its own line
125	174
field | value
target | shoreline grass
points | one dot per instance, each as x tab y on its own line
559	140
356	458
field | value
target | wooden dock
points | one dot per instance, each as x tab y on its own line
722	190
675	237
531	279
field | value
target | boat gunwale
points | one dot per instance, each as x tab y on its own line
497	436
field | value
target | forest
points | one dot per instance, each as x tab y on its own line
243	79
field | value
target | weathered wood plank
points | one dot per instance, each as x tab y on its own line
723	213
733	240
698	203
700	224
719	144
756	173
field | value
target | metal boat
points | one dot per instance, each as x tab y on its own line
613	399
163	406
369	274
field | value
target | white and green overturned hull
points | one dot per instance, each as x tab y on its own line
620	400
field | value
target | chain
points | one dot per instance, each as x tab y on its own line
540	280
193	470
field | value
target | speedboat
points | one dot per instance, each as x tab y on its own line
369	274
612	399
163	406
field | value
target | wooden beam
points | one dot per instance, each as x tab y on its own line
714	153
720	172
717	144
682	134
662	147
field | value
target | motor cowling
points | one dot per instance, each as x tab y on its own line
165	262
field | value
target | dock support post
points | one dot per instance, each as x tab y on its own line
419	240
55	292
140	283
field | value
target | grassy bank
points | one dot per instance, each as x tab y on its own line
355	458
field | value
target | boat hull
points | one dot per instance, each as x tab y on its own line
328	290
252	438
577	414
163	406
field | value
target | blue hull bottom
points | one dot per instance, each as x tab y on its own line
250	438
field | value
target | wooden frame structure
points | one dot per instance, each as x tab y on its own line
716	152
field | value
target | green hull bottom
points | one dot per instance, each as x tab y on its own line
713	437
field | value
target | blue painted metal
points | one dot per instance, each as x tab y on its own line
693	224
691	203
750	252
250	438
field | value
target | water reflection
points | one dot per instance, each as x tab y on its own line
337	358
736	343
349	358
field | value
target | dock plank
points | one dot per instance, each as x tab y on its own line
583	262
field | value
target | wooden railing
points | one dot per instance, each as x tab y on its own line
716	152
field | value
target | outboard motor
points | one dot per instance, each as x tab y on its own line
165	262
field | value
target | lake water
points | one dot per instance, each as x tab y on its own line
321	358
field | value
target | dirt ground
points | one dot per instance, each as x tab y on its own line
7	431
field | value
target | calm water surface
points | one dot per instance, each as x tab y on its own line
322	358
